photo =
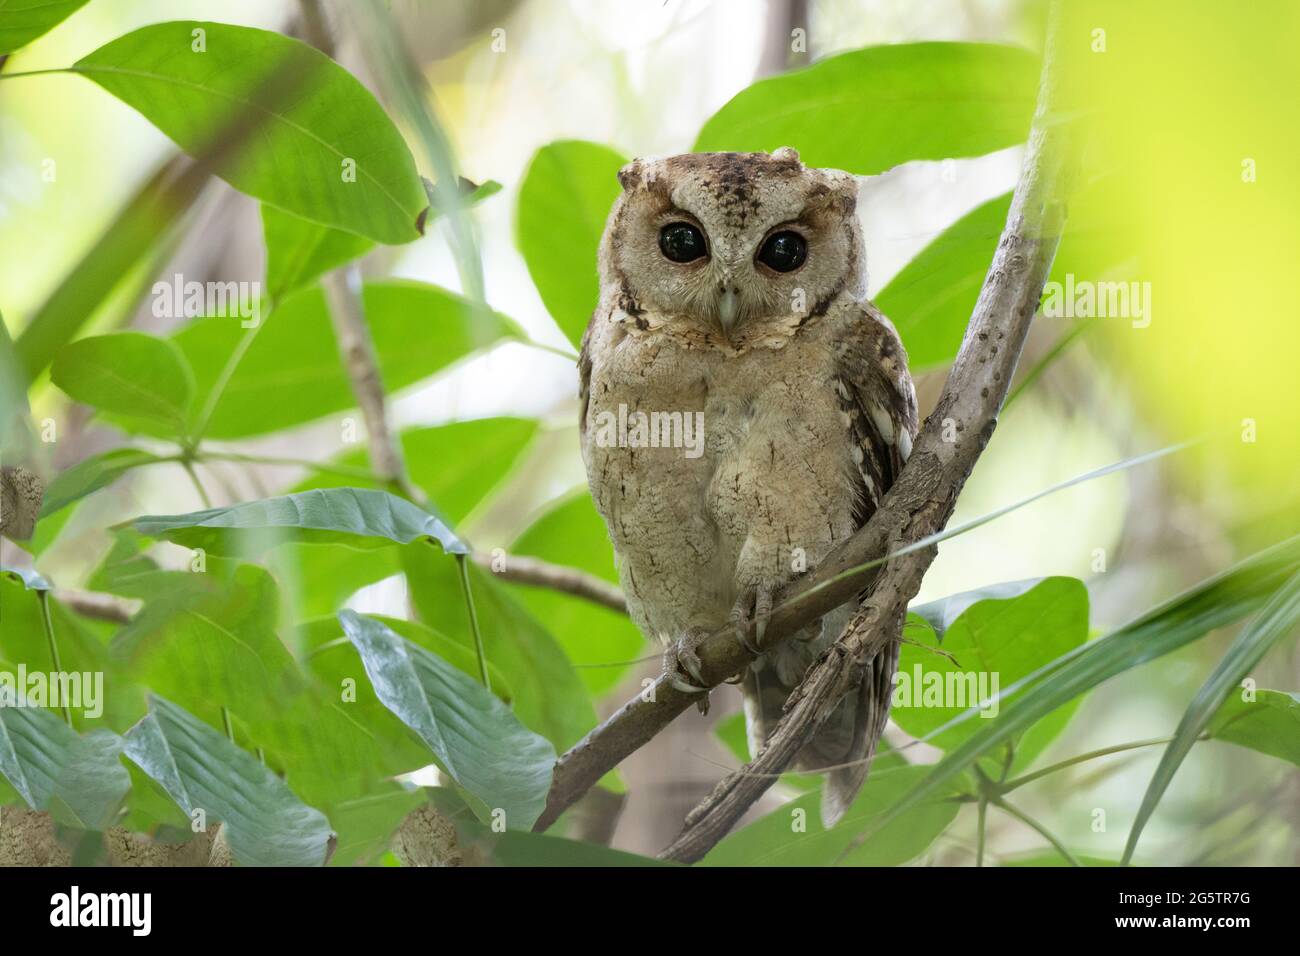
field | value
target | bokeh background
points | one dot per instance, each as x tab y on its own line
1188	182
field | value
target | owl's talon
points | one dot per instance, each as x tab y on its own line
759	600
681	655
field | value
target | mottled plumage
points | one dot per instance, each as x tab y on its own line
802	389
21	493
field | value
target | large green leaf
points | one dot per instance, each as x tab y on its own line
476	738
1212	604
325	149
792	835
78	778
264	823
1276	620
871	109
206	642
564	201
1004	633
600	642
130	374
548	695
931	299
22	21
292	374
1269	723
359	517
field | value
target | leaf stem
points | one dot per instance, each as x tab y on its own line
1045	833
223	379
226	723
343	471
57	69
188	465
48	622
473	620
1081	758
982	821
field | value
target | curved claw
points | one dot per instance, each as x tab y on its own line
681	654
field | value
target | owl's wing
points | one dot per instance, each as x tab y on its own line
584	376
879	401
876	394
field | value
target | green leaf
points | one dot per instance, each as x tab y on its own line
22	21
564	201
548	695
299	251
601	642
130	374
871	109
1270	723
30	579
476	738
361	518
931	299
79	778
459	466
1276	620
324	150
292	374
264	823
366	824
792	835
207	642
1003	633
1211	604
90	475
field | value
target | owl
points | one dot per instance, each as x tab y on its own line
743	410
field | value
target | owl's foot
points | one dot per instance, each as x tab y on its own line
754	606
682	656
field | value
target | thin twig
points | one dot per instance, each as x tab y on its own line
557	577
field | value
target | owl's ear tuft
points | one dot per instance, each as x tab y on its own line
786	154
629	176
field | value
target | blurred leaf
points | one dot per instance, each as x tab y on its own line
548	695
80	779
867	110
299	251
792	835
1275	620
1213	603
22	21
1052	858
564	201
476	738
1270	723
573	534
1006	637
14	413
350	167
931	299
265	824
90	475
292	374
129	373
361	518
123	250
366	825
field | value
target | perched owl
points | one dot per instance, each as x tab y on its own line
744	408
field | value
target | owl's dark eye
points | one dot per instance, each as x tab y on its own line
784	251
682	242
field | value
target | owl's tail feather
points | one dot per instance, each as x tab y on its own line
846	741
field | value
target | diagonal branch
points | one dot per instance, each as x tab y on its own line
919	504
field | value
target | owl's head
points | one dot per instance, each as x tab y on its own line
725	240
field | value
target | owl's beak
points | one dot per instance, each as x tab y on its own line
728	306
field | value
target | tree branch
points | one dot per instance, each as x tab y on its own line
557	577
919	504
